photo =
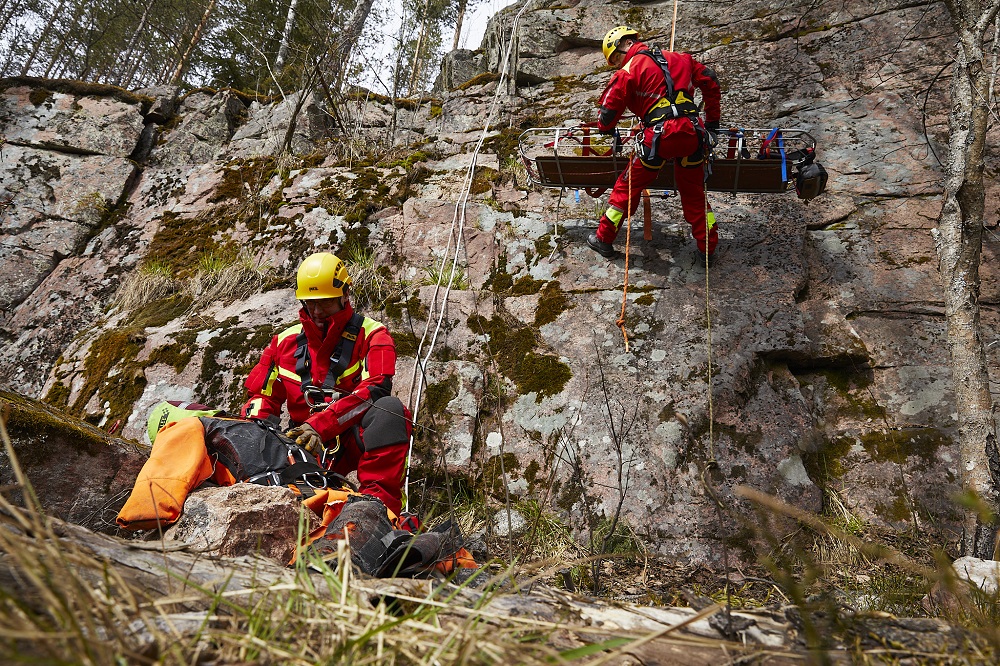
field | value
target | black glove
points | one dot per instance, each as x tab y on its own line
616	143
712	127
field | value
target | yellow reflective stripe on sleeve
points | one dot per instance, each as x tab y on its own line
255	407
615	216
291	330
289	374
271	376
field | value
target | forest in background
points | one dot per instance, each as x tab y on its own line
255	46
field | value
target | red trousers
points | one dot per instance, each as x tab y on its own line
380	471
677	141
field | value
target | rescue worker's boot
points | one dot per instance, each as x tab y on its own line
606	250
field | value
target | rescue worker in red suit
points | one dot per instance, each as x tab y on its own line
671	130
334	370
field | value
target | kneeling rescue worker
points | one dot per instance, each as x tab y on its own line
658	87
334	370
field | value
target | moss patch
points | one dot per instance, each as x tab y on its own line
234	343
513	344
39	96
110	371
496	469
552	303
242	176
898	445
478	80
78	89
32	418
58	395
438	395
825	463
178	354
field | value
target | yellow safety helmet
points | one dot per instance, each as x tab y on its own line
321	275
614	38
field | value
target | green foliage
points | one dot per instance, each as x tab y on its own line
444	273
371	283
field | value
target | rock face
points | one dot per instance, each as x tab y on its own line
821	325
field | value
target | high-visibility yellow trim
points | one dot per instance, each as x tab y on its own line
255	406
284	372
271	376
291	330
615	216
709	220
369	326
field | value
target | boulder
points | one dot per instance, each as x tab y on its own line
458	67
82	124
207	122
267	124
78	473
243	519
166	101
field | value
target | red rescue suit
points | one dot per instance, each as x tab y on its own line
639	86
363	426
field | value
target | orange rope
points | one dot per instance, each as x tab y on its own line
673	26
628	237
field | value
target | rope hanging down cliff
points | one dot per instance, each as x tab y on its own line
418	377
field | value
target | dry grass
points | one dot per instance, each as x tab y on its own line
223	279
62	603
369	285
150	282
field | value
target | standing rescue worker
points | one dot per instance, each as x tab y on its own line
658	87
334	370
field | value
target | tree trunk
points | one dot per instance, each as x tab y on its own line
127	72
959	244
41	38
460	9
182	64
343	45
285	36
416	52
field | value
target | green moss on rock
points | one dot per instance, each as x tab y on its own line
513	345
551	303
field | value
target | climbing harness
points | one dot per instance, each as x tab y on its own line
318	396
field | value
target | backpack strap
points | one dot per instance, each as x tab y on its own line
338	360
676	103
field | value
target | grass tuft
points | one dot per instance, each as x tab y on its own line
151	281
220	278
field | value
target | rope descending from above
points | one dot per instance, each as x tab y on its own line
418	377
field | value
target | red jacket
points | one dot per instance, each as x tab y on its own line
640	84
367	377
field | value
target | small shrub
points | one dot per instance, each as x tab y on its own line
370	282
441	273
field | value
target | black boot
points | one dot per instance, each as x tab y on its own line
606	250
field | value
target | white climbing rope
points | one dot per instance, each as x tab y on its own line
418	376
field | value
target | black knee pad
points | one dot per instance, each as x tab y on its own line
384	424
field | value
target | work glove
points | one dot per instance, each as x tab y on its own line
306	437
616	139
712	127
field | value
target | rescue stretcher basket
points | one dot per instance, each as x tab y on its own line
764	161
